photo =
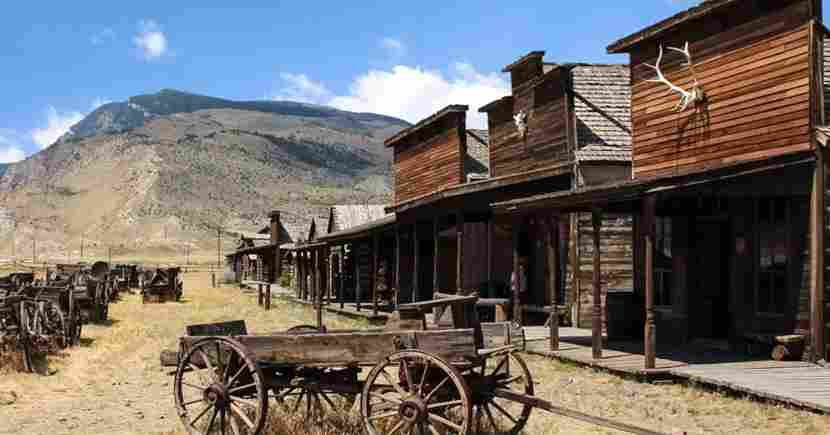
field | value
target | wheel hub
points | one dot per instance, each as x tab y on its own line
216	395
413	411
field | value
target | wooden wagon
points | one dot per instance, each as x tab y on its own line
56	311
90	293
165	285
462	380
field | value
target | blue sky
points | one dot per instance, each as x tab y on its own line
62	59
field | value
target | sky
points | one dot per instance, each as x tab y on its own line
61	60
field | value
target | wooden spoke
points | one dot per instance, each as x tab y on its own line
208	363
201	414
437	387
490	417
423	378
397	427
241	414
326	398
504	412
246	402
196	387
236	375
243	387
407	376
210	423
193	401
443	421
297	403
234	424
434	431
394	384
449	404
222	420
384	415
511	380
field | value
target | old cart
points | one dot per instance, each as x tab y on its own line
441	381
165	285
57	311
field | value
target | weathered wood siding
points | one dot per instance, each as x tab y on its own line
546	142
756	76
433	162
616	258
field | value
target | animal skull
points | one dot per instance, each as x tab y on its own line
521	122
693	95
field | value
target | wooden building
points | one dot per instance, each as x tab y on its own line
728	181
563	126
264	256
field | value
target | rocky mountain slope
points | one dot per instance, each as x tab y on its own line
162	171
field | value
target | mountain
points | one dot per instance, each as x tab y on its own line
161	171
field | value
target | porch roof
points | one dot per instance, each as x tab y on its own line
588	197
357	232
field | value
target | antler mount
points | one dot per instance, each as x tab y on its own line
694	95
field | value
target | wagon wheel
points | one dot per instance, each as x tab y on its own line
219	388
495	415
415	392
76	325
31	318
55	322
25	347
313	397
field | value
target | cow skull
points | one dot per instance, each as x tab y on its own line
693	95
520	119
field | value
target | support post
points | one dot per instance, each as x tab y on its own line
459	254
259	294
375	266
318	294
397	265
552	275
267	297
490	256
817	233
436	281
357	289
415	264
514	294
342	267
650	345
596	321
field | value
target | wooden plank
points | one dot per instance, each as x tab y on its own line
233	327
596	320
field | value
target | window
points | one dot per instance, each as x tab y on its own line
662	261
773	255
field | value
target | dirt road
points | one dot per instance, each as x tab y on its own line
113	384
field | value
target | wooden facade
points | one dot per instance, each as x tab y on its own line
754	64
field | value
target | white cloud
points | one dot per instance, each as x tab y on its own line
298	87
393	46
150	40
413	93
57	124
103	36
10	150
98	102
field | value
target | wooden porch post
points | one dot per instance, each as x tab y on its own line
459	257
517	309
300	274
596	321
490	256
415	266
357	289
317	290
435	254
342	267
552	275
817	234
397	265
375	262
650	345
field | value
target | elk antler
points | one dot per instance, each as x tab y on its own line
686	97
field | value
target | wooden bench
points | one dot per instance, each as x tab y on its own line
785	347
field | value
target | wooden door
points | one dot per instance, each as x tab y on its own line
709	297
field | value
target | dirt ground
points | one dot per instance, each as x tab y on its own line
113	384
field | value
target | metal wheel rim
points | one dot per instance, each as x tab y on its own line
430	397
229	411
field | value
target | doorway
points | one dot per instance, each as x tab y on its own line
709	291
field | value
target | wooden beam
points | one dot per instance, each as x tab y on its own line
318	294
517	309
436	228
596	321
375	262
342	267
490	255
818	224
573	258
397	264
415	264
650	345
357	288
552	276
459	255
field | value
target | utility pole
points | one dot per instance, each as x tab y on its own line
219	247
110	255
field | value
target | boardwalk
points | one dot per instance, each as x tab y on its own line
793	382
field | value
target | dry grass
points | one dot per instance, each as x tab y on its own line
113	384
